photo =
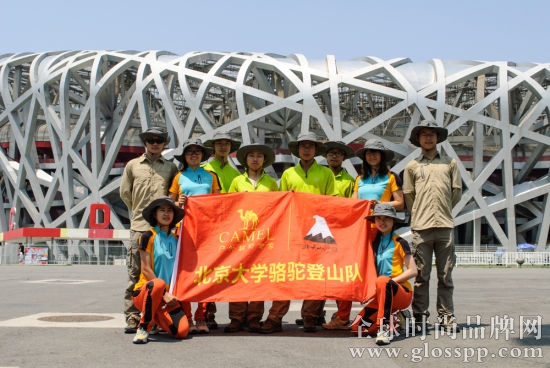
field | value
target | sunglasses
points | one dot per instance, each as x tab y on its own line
155	141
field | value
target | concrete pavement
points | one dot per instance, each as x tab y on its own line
70	316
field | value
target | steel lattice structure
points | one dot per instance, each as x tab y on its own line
69	121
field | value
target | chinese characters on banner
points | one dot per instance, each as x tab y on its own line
274	246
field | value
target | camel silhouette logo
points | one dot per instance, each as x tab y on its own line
249	219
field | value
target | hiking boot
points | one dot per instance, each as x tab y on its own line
310	324
154	330
320	320
403	317
141	336
448	323
202	328
384	336
192	328
234	326
254	326
419	325
210	315
131	326
337	324
270	326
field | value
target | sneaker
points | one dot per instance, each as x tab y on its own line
141	336
234	326
383	337
309	324
202	328
448	323
337	324
192	328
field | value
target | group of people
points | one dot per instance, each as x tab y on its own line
156	192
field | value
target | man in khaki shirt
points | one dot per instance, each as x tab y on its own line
144	179
432	187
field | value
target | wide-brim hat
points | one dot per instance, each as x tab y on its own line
293	145
149	210
206	152
154	132
441	132
348	151
374	145
384	209
223	135
269	155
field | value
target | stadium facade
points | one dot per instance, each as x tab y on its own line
69	121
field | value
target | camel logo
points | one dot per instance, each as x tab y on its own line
249	219
319	232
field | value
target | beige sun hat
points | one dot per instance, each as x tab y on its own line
206	152
149	210
309	136
348	151
223	135
269	155
154	132
374	145
384	209
441	132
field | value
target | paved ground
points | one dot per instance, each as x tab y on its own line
69	316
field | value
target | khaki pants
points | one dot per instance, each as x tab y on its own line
438	241
278	310
246	311
133	265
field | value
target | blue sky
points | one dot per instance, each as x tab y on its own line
488	30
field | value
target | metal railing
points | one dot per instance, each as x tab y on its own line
503	259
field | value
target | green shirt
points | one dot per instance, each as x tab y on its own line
318	180
225	174
344	184
243	184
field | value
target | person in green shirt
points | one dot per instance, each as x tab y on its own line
254	158
309	177
223	145
336	153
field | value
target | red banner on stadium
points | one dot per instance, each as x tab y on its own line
274	246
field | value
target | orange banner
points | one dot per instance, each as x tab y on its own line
274	246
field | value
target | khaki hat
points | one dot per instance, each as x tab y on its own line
348	151
384	209
150	209
269	155
441	132
374	145
206	152
154	132
223	135
309	136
